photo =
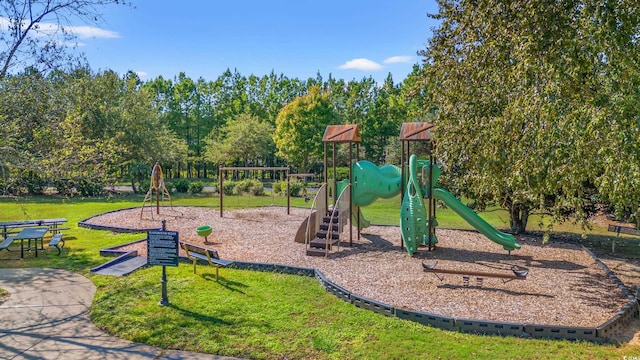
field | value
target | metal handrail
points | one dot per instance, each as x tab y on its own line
339	204
320	194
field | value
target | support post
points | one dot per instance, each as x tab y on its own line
335	177
430	198
220	190
326	174
288	192
164	300
357	159
351	195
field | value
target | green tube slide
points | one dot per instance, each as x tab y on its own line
371	182
507	241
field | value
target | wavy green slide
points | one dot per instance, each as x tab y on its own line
507	241
371	182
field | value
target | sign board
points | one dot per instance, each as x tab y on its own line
162	248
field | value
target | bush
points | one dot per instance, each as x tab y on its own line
249	186
36	185
341	171
257	189
88	187
181	185
196	187
228	186
64	187
295	187
144	186
277	187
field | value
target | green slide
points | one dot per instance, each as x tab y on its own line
507	241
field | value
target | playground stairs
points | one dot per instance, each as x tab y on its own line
328	227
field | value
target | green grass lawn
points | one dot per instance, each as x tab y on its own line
262	315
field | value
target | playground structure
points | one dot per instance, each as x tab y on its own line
157	185
415	181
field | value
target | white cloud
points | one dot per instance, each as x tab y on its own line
398	59
49	29
141	74
361	64
84	32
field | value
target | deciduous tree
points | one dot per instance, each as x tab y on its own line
38	33
535	103
300	126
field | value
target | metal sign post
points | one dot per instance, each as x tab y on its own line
162	250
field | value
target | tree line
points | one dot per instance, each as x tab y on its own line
81	129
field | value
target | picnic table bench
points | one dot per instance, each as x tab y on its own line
56	241
196	252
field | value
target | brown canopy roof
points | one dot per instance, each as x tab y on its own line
416	131
342	134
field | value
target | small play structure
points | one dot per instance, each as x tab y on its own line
157	186
415	180
204	231
519	273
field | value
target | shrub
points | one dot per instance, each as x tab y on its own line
228	186
249	186
295	187
277	187
64	187
243	186
89	187
36	185
341	171
196	187
181	185
257	188
144	186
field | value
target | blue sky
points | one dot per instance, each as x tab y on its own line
349	38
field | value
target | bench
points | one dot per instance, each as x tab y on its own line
6	242
56	230
4	245
618	229
195	253
56	241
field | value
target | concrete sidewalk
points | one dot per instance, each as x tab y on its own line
46	317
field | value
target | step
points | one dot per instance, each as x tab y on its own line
325	227
124	267
323	234
316	252
326	219
322	243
